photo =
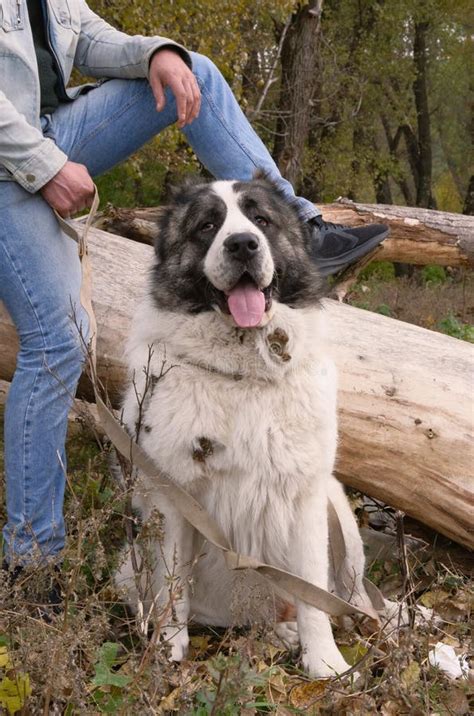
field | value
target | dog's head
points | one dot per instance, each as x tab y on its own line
233	247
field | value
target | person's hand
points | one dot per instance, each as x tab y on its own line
168	69
70	190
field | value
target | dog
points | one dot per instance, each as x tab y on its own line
233	395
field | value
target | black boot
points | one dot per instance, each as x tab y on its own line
46	598
334	246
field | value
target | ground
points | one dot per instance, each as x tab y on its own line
92	658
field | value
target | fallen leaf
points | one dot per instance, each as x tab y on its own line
390	708
305	694
353	654
434	598
199	644
170	702
277	681
13	693
274	651
5	662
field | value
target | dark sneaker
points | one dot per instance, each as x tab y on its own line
334	246
44	597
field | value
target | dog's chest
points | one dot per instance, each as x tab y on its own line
205	427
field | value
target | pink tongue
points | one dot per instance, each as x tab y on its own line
247	305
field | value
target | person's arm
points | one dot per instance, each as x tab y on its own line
103	51
31	158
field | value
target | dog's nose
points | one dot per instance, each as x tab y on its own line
242	246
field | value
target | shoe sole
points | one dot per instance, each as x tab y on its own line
329	267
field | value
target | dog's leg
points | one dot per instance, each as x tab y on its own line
171	579
309	559
159	592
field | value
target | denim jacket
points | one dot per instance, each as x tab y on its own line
78	38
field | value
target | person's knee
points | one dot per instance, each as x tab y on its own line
62	355
68	354
203	68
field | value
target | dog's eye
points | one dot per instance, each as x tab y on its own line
261	221
207	226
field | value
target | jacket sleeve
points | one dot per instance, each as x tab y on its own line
31	158
103	51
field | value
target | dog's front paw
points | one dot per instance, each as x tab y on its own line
178	641
324	665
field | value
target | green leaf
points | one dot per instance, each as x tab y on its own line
104	676
108	703
108	653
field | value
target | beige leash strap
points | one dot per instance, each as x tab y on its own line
86	284
191	510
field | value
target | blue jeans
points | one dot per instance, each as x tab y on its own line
40	279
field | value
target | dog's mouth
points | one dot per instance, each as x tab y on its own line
246	302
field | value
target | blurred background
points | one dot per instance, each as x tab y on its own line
369	99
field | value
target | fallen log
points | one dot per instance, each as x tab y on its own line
405	405
417	236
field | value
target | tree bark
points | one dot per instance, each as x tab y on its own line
468	208
404	397
417	236
298	83
420	89
393	144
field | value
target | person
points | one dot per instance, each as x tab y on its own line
53	141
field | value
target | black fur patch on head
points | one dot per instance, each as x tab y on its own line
189	225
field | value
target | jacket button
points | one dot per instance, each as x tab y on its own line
31	178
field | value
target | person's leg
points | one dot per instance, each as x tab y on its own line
106	125
39	284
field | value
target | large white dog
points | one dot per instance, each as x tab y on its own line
243	415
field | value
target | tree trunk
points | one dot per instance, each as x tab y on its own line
417	236
298	83
404	397
420	89
383	193
393	142
469	200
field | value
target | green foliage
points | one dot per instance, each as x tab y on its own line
232	687
453	327
433	274
109	693
14	685
384	310
365	92
378	270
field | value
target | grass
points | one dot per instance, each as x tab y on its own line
92	658
431	297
